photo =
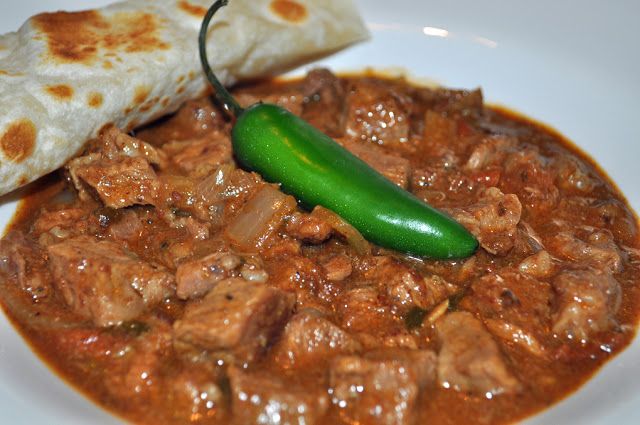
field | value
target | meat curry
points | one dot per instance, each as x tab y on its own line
172	286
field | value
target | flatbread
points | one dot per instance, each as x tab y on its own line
65	75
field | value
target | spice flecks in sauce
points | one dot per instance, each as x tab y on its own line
18	142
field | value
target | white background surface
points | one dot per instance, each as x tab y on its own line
572	64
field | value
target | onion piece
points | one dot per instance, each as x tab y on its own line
351	234
259	218
212	189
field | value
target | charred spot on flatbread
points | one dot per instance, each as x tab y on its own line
61	92
10	74
18	142
141	94
84	37
289	10
95	99
192	9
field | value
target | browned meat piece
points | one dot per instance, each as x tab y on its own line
574	176
54	226
202	156
113	143
516	335
598	250
395	168
194	119
610	214
126	226
236	317
118	170
196	277
493	220
71	220
469	359
263	398
118	183
440	136
302	276
377	113
289	97
405	288
362	310
308	228
588	302
451	101
324	102
518	304
101	281
539	265
24	260
381	388
338	268
310	340
491	151
528	175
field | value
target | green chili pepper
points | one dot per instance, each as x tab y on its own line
308	164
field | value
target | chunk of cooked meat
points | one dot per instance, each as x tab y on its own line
308	228
337	268
118	170
515	297
362	310
112	143
262	398
195	278
24	260
515	306
491	151
236	317
493	220
587	303
610	214
53	226
528	175
598	250
469	359
539	265
324	102
378	113
395	168
309	340
101	281
202	156
405	288
118	182
383	387
195	118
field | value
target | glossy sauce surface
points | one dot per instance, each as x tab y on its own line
550	296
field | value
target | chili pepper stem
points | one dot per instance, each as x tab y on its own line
221	93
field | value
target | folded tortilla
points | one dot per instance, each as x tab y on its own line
65	75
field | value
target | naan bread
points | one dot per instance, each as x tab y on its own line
64	76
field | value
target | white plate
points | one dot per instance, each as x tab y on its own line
571	64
